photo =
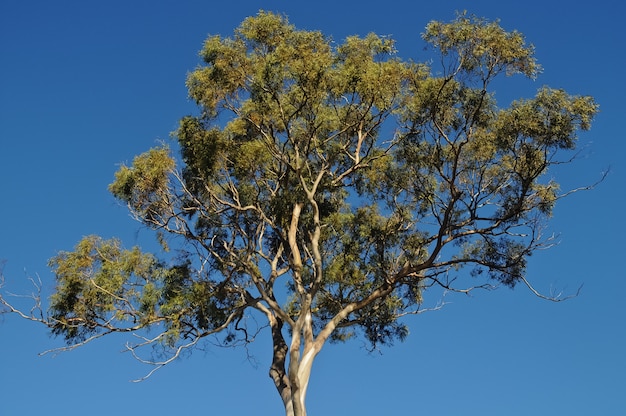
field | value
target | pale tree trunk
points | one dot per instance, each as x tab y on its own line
304	374
292	380
277	369
294	393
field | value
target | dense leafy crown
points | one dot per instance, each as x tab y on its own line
327	186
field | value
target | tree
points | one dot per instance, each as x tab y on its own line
325	188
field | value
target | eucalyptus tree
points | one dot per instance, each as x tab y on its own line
325	187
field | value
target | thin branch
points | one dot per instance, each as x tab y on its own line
588	187
553	298
71	347
421	310
158	364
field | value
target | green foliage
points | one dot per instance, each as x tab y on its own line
360	179
551	119
97	282
102	287
144	186
481	46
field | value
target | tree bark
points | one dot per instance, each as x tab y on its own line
291	381
293	393
277	369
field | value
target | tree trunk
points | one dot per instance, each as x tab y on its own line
294	393
291	385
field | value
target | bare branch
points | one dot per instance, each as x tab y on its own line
73	346
558	297
157	364
603	176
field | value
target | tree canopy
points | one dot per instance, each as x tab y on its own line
325	187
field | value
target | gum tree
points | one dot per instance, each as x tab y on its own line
324	188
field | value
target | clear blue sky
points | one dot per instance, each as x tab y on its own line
85	85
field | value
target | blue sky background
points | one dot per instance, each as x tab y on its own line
86	85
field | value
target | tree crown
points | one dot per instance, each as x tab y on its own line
326	187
